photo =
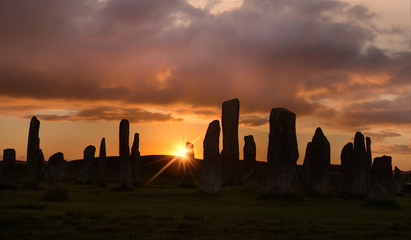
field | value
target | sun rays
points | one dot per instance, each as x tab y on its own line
184	155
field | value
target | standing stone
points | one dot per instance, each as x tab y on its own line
397	180
56	169
35	158
230	152
347	167
249	152
316	167
8	168
136	160
188	176
369	161
381	179
282	154
87	166
102	165
361	166
126	177
211	171
355	165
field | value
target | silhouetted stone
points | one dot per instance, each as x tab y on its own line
188	177
381	179
56	169
87	166
397	180
361	166
35	158
126	176
316	167
355	166
230	152
211	171
282	154
249	152
102	164
8	168
369	161
136	160
347	167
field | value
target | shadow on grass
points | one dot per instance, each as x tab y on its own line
382	205
28	206
8	187
58	195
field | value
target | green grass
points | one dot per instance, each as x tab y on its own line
166	212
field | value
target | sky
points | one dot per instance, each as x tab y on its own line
167	66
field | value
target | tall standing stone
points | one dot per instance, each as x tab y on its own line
87	166
347	167
355	165
381	179
369	161
188	176
249	152
136	160
8	168
361	166
282	154
56	169
126	177
397	180
35	158
316	167
102	164
230	152
211	171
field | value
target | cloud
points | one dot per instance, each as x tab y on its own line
110	113
316	58
393	149
253	120
385	111
381	135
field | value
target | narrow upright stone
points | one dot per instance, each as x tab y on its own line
282	154
8	168
347	167
211	171
249	152
102	164
35	157
369	161
136	160
188	162
230	152
397	180
361	166
381	180
126	177
316	167
56	169
87	166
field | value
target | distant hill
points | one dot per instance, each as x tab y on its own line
152	164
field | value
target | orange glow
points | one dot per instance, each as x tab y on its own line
181	152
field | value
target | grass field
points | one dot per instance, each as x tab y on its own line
161	211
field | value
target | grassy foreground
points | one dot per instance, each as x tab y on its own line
180	213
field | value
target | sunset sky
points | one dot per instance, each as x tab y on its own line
167	66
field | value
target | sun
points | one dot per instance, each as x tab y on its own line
181	152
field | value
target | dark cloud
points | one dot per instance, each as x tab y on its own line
110	113
294	54
393	149
381	135
253	120
395	111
